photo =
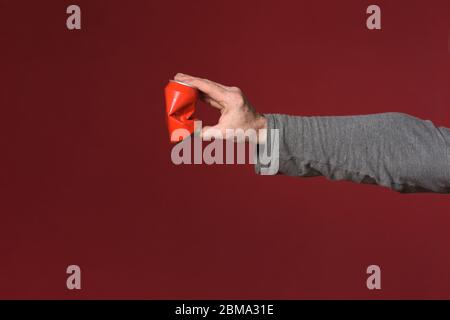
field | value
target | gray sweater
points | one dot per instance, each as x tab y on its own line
394	150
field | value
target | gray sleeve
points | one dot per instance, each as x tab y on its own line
394	150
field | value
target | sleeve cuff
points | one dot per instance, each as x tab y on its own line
267	157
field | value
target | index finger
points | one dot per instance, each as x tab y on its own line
210	88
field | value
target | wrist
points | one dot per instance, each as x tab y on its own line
261	128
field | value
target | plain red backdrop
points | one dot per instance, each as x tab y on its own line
85	170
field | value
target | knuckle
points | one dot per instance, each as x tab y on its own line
239	99
236	95
236	90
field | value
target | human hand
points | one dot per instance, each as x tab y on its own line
236	111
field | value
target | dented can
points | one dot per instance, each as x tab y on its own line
181	101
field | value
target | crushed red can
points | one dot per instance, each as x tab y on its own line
181	101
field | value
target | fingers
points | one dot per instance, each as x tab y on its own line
211	101
215	93
189	77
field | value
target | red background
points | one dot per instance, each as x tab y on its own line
85	170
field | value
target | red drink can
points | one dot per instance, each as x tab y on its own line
181	101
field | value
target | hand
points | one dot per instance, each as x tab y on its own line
236	111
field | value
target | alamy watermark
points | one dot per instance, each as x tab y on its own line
191	151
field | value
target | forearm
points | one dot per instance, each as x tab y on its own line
394	150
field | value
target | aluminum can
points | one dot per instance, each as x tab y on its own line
181	101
